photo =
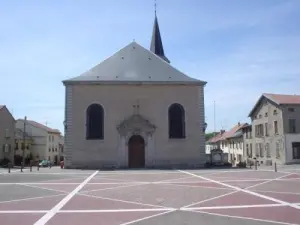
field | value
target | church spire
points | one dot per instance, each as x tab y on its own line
156	42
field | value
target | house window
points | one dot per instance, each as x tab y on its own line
291	109
52	149
292	126
266	129
49	149
275	127
275	112
256	150
250	150
52	138
296	150
56	149
16	146
95	122
268	152
176	121
277	151
49	138
247	150
266	114
259	116
261	151
259	130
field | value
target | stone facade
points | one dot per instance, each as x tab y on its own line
121	121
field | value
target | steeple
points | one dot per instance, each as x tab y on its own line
156	42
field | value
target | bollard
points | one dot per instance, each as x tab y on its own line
21	166
38	167
31	163
9	166
255	164
275	167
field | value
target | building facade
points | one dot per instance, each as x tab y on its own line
7	134
276	129
134	110
232	142
45	144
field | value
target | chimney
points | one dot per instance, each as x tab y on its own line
222	131
239	124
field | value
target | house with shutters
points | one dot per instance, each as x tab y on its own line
7	134
275	129
134	110
43	141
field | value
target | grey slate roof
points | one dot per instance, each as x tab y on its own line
134	64
156	43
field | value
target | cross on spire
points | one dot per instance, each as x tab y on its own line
156	43
136	108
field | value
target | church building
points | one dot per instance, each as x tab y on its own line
135	110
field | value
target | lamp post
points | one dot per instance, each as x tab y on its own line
24	137
205	126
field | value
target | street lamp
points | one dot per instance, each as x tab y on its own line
205	126
65	124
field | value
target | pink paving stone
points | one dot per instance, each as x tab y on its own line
243	184
238	198
67	180
79	202
201	184
32	204
287	197
91	186
23	219
284	214
114	218
58	187
109	180
292	176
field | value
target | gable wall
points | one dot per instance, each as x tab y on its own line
117	102
7	122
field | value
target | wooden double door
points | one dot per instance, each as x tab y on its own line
136	152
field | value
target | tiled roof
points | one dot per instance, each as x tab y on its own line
277	99
283	99
2	106
134	64
231	133
39	125
215	138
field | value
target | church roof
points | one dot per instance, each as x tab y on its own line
134	64
156	43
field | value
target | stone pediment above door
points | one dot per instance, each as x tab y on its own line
136	124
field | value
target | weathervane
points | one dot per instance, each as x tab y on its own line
155	7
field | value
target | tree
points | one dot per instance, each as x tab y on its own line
209	135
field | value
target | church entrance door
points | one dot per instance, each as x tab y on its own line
136	152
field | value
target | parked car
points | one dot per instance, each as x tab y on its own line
44	163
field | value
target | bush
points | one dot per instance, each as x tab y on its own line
4	162
207	165
228	164
242	165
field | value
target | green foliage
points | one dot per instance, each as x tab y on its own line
209	136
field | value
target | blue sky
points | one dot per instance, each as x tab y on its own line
241	48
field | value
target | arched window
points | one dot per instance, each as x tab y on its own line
176	121
95	122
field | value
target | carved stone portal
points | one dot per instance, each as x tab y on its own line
136	125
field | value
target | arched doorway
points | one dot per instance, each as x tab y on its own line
136	152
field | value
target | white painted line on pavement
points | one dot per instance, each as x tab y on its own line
245	191
60	205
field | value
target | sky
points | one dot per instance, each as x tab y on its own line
241	48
